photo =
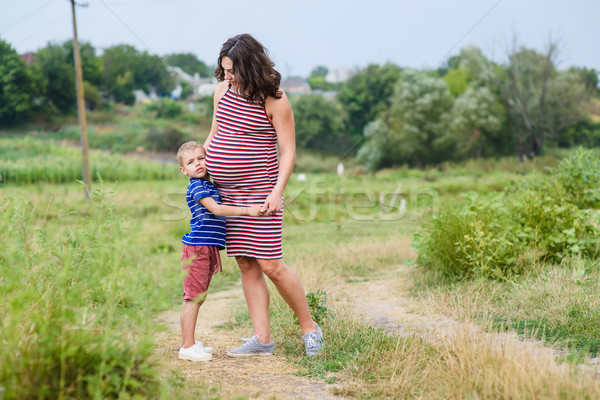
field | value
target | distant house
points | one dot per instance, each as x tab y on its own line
295	86
339	75
28	57
199	86
206	87
143	97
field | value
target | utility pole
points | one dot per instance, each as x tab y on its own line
81	109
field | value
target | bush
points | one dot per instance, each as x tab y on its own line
165	108
539	219
579	175
167	139
473	239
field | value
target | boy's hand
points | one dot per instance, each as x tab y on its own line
254	211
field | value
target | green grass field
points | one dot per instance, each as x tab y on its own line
81	281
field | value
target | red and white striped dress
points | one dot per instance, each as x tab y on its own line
242	161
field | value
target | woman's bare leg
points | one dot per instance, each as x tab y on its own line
257	297
289	286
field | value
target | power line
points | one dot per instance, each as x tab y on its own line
43	28
7	28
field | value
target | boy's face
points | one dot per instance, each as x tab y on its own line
193	163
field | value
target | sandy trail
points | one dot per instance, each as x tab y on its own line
384	302
268	377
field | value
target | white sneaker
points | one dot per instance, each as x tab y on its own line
206	349
194	353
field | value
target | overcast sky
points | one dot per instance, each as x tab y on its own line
303	34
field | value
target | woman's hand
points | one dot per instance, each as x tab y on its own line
273	203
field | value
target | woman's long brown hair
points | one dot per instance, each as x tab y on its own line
255	76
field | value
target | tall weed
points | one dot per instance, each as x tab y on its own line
74	320
537	219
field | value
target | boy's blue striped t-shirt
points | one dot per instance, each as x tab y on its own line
207	228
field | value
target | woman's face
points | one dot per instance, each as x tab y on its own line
227	65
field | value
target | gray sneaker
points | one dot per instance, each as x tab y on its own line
252	347
313	342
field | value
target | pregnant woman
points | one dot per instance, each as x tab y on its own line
252	116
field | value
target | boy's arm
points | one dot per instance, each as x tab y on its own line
228	211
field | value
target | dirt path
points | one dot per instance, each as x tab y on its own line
384	302
255	377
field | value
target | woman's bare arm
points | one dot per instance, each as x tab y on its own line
219	92
280	113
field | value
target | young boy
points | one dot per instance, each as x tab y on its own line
200	251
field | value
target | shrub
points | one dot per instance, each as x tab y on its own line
165	108
579	175
473	239
164	139
540	218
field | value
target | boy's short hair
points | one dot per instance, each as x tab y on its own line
188	146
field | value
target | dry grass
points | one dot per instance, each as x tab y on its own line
463	363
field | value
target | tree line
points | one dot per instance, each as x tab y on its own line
469	107
47	86
386	115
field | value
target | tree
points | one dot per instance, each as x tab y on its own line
415	129
126	69
117	77
457	81
316	80
589	78
477	119
17	86
540	100
366	95
153	75
91	65
58	75
56	65
319	122
189	63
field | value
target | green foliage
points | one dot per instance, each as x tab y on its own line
92	96
91	65
59	76
541	101
498	237
126	69
317	80
17	88
319	123
165	108
579	175
318	310
457	81
72	298
470	240
589	78
414	131
477	119
56	65
189	63
552	226
164	139
366	95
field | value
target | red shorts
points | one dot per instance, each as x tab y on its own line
200	263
